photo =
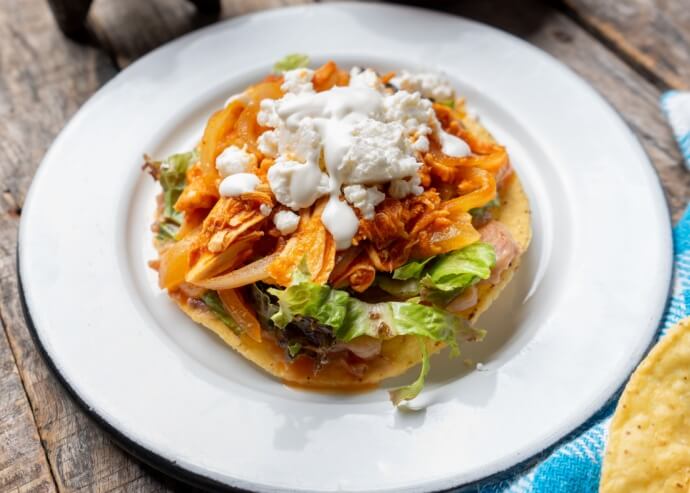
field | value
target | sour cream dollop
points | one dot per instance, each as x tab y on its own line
237	184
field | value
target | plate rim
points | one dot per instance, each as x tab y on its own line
170	467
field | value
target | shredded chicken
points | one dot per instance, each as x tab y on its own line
227	221
398	226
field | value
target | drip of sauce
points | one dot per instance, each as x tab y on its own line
452	145
237	184
341	221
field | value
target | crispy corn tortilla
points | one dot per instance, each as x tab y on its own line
399	353
648	448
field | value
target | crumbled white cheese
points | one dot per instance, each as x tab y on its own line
354	136
421	144
298	81
377	153
364	78
234	160
237	184
268	143
286	222
267	116
410	109
296	185
265	209
428	84
364	198
399	189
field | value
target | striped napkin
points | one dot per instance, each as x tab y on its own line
574	464
676	106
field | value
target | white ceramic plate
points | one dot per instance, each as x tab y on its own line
562	338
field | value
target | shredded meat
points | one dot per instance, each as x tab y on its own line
230	218
398	226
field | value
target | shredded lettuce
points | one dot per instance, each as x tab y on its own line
409	392
448	102
412	269
291	62
439	279
350	318
395	318
294	349
212	301
172	177
455	271
399	289
327	306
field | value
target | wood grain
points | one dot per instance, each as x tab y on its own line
652	35
23	464
37	98
43	81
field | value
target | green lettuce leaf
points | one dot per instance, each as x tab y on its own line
350	318
291	62
448	102
411	391
212	301
399	289
307	299
457	270
294	349
394	318
412	269
172	173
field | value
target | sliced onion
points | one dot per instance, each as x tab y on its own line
249	274
343	260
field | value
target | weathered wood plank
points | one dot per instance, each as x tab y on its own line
43	81
654	35
23	464
129	29
634	97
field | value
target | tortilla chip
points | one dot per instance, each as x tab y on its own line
397	354
649	440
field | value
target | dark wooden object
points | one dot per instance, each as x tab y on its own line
70	15
626	50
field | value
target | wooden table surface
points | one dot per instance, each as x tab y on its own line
629	51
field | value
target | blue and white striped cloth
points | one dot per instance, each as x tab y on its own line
574	464
676	106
